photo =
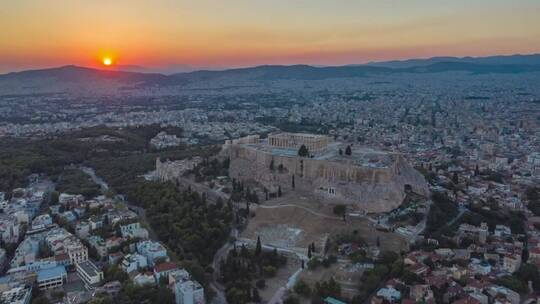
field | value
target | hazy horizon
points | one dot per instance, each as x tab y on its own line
180	68
217	35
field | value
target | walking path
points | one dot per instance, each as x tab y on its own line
301	207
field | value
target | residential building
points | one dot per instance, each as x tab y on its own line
145	278
389	294
90	274
16	295
98	244
51	277
163	270
133	230
153	251
133	262
186	290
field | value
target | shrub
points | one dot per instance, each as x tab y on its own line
340	209
269	271
302	288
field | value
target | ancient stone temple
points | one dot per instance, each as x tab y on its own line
314	143
368	180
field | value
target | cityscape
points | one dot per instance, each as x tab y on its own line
288	172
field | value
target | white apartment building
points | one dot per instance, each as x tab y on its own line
89	272
186	290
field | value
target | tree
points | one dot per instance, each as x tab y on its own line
529	272
313	263
339	209
269	271
411	278
258	247
513	283
255	296
302	288
348	150
42	299
254	197
455	178
54	197
101	299
303	151
388	257
44	251
244	252
328	288
291	300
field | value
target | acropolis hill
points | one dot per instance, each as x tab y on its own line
366	180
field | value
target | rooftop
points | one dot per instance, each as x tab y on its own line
89	268
331	300
51	273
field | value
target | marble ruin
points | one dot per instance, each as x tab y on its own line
314	143
171	170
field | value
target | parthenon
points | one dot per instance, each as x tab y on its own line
314	143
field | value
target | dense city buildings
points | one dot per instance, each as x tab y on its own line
392	187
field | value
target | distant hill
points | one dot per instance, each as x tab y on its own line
533	59
81	79
306	72
71	73
275	72
172	69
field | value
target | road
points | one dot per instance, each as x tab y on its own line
220	255
98	180
105	187
212	196
462	211
278	296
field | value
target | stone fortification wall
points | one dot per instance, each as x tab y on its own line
365	188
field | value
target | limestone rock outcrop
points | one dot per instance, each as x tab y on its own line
363	187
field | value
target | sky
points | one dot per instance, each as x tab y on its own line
236	33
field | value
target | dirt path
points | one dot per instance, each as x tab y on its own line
301	207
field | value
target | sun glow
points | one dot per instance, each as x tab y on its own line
107	61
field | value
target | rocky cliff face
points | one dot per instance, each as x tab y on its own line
364	188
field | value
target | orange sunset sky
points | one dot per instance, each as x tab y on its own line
234	33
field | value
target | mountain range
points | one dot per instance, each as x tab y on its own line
533	59
81	78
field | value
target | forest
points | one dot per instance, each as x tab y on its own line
244	272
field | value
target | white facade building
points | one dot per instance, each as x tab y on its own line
89	273
186	290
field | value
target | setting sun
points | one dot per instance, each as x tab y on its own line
107	61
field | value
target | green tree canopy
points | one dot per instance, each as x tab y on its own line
303	151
